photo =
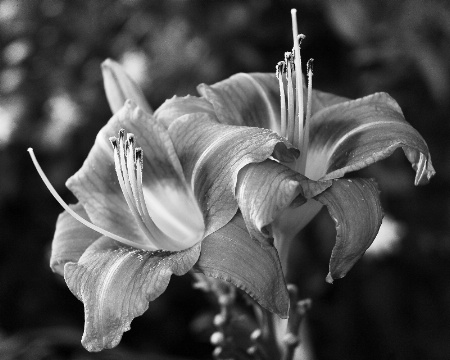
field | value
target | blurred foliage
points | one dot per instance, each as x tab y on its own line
392	306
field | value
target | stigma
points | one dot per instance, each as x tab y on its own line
294	119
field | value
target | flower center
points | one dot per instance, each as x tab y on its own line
294	121
166	227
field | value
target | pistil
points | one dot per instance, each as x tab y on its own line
78	217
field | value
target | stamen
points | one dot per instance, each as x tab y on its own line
281	69
309	67
125	169
78	217
291	104
298	72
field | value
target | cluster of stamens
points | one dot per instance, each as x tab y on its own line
129	162
294	121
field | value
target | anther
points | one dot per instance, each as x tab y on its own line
280	69
113	141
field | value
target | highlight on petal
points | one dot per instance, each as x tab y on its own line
119	87
266	189
71	239
354	134
116	283
354	205
97	187
212	155
177	106
230	254
246	99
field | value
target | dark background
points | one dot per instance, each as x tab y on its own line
393	305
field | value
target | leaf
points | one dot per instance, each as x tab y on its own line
230	254
212	155
354	205
266	189
354	134
116	283
97	188
119	87
71	239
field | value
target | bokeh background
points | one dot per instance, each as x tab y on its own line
395	303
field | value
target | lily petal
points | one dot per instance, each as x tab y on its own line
354	134
71	239
116	283
173	108
230	254
212	155
266	189
119	87
354	205
246	99
254	100
96	185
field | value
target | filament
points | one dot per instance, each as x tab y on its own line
78	217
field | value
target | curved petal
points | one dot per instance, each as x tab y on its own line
354	205
96	185
116	283
254	100
265	189
321	100
71	239
212	155
173	108
246	99
230	254
354	134
119	87
289	223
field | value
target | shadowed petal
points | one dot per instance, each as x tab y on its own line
212	155
352	135
71	239
119	87
96	185
116	283
173	108
246	99
266	189
254	100
354	205
230	254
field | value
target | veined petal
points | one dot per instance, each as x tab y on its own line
116	283
354	205
71	239
354	134
230	254
254	100
321	100
119	87
173	108
246	99
266	189
212	155
96	185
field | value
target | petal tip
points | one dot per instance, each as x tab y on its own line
329	279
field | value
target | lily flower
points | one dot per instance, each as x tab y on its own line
212	183
157	201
